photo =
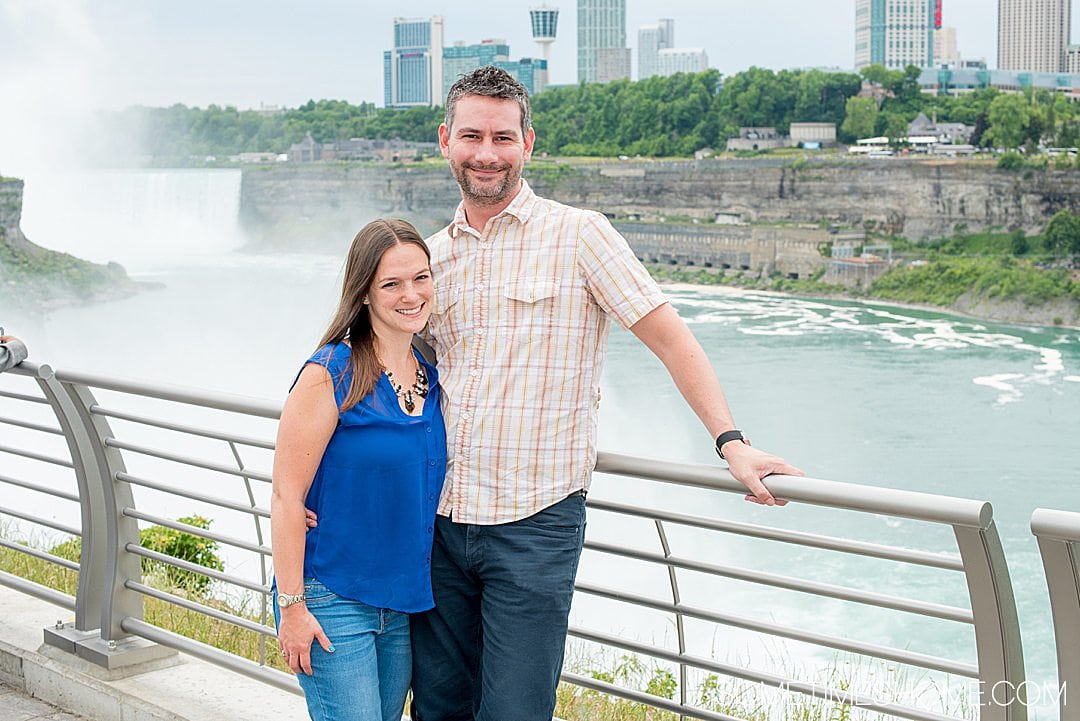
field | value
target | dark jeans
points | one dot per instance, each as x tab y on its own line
492	648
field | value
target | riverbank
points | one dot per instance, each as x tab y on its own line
1002	311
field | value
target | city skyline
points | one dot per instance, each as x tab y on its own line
84	54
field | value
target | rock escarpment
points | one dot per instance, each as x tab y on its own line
918	199
37	279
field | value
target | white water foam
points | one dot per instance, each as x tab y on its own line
771	315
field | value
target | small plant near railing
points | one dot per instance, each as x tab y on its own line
186	547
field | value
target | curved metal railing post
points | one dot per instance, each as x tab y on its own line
1058	533
676	600
120	566
997	628
94	548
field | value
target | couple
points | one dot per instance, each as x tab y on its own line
466	536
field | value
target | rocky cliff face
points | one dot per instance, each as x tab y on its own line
317	205
296	205
915	198
36	279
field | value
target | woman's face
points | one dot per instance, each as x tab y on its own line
400	294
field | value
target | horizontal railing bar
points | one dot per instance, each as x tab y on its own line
213	500
180	428
888	653
815	491
40	555
55	525
38	457
269	676
1062	525
193	530
36	590
31	426
196	568
186	460
644	698
831	543
40	489
22	396
179	394
200	608
762	677
844	593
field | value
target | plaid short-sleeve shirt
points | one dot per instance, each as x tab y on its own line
520	324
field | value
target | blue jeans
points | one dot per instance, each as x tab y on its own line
492	648
367	676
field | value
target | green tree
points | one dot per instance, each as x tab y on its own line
1007	121
860	118
1062	234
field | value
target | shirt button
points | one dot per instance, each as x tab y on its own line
431	463
429	529
431	496
485	244
480	287
474	372
429	430
480	330
466	416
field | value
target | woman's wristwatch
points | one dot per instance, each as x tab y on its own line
284	600
727	437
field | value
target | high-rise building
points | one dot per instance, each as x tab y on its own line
681	60
545	23
602	52
651	39
945	50
1033	35
1072	60
412	70
461	59
895	33
530	72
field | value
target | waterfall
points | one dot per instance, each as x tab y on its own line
143	219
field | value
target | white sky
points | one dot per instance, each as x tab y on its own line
112	53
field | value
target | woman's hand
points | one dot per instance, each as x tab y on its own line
297	630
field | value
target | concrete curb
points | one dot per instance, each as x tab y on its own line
181	688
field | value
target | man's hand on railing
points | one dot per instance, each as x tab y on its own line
750	465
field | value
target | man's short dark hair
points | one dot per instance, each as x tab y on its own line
490	82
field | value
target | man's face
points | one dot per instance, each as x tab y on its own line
486	149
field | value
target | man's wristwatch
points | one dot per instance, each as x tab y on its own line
727	437
284	600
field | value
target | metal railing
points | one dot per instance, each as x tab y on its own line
1058	533
219	469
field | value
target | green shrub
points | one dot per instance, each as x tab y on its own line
186	547
1011	161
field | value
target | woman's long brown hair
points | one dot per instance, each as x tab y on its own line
352	321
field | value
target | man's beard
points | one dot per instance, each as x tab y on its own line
486	194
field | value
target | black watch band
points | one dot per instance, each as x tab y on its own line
727	437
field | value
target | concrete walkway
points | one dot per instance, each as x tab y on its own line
41	682
18	706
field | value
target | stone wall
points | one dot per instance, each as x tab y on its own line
794	252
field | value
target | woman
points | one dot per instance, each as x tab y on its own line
361	443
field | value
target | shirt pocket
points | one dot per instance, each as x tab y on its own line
530	306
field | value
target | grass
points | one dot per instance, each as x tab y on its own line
191	624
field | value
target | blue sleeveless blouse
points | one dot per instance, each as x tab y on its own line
376	491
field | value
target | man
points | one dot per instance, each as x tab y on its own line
12	351
525	288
